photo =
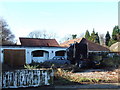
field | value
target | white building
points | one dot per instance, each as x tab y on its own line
31	50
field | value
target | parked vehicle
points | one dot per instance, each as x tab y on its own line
58	61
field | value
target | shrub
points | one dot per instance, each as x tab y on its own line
67	77
30	67
105	59
111	61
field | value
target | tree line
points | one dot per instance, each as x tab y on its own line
93	36
109	39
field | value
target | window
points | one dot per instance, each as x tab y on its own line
60	53
38	53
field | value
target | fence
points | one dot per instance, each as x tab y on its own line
26	78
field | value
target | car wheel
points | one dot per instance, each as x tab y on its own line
80	65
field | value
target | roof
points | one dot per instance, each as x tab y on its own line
38	42
67	43
96	47
115	47
20	46
91	45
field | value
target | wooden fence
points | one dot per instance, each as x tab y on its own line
26	78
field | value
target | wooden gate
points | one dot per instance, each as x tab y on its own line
14	57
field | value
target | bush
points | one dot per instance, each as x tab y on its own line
46	64
105	59
111	61
30	67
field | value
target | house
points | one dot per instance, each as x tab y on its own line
81	49
115	47
84	46
91	46
31	50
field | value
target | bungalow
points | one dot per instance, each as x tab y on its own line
31	50
81	48
91	46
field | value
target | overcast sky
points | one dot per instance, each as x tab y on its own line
62	17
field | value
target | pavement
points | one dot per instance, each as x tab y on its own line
104	86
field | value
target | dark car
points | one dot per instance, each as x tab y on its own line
88	64
58	61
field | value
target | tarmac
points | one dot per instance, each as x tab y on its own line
104	86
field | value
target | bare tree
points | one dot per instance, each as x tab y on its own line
35	34
68	37
5	34
102	39
81	35
42	34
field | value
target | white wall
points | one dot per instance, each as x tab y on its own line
51	51
29	50
28	56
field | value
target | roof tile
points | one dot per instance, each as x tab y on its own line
38	42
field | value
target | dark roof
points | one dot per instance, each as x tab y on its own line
91	45
38	42
96	47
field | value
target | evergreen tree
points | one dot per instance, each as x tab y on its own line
107	38
93	32
87	35
118	35
115	32
93	36
115	36
97	40
111	42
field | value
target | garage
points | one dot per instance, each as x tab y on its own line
14	57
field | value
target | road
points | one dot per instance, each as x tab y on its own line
113	86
